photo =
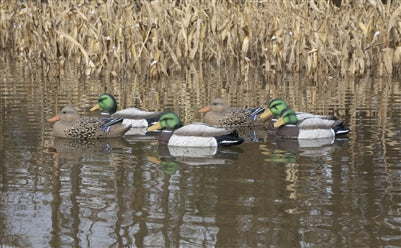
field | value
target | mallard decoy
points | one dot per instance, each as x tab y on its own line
288	126
193	135
277	106
219	113
132	116
69	124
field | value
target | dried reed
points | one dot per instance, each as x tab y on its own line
157	38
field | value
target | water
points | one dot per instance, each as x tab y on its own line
130	192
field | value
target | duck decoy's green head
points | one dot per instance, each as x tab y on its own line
107	103
167	121
287	116
276	106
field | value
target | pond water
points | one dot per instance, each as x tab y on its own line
131	192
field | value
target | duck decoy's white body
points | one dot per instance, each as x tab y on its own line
198	135
303	133
193	135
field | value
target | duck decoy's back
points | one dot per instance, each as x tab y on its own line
219	113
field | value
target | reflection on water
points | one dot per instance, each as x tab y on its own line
131	192
76	148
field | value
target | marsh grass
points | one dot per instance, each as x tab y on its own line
156	38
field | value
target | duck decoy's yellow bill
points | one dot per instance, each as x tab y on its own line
280	122
154	127
96	107
267	114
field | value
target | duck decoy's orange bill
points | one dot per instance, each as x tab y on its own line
205	109
54	118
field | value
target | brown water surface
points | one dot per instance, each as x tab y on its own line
129	192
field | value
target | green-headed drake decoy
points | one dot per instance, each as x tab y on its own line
219	113
69	124
277	106
288	126
132	116
193	135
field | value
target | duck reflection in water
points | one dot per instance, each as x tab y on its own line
170	159
305	147
74	149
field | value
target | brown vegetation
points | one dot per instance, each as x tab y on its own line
156	38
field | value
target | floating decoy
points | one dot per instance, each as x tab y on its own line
193	135
131	116
219	113
277	106
288	126
69	124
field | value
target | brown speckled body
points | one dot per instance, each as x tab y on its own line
219	113
230	117
71	125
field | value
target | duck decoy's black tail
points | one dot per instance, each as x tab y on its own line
255	112
229	139
341	129
111	121
108	122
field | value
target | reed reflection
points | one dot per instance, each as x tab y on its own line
264	192
84	197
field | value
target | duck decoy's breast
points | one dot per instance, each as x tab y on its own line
288	131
